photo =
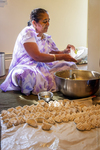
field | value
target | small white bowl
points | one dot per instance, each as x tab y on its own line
45	95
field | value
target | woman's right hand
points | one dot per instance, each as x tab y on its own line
67	57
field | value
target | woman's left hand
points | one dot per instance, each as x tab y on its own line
68	48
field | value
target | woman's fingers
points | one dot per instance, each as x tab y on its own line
66	51
69	46
69	58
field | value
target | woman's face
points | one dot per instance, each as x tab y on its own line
43	24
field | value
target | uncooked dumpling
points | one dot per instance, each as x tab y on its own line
21	120
40	119
18	107
51	120
14	121
80	126
65	119
3	112
46	126
42	102
76	120
32	122
11	109
87	126
58	119
9	124
47	115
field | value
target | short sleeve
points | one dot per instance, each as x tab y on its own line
28	35
30	40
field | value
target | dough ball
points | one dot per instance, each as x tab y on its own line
6	120
58	119
21	119
32	122
46	126
80	126
65	119
11	109
25	106
87	126
84	108
24	111
76	120
39	119
4	112
61	102
6	116
71	118
82	119
14	121
18	107
47	115
42	102
51	108
12	115
51	120
9	124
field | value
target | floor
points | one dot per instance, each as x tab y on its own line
15	98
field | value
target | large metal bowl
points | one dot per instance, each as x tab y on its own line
77	83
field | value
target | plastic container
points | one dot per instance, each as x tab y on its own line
2	64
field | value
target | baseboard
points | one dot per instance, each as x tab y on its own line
8	58
7	64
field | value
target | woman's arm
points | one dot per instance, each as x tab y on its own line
33	51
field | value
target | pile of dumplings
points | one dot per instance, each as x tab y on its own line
85	118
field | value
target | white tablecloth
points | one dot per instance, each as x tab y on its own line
63	136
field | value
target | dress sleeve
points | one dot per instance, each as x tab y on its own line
28	36
32	39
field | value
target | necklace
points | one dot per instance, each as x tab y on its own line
42	37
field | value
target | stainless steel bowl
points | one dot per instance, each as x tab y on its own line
45	95
77	83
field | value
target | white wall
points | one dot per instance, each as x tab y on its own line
68	21
94	35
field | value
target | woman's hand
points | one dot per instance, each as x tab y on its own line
67	57
68	49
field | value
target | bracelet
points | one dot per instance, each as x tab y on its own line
54	57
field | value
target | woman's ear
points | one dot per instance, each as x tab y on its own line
34	23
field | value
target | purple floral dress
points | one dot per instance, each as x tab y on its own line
26	74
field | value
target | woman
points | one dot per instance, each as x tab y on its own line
36	58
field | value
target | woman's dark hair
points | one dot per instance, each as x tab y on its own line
29	23
36	14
